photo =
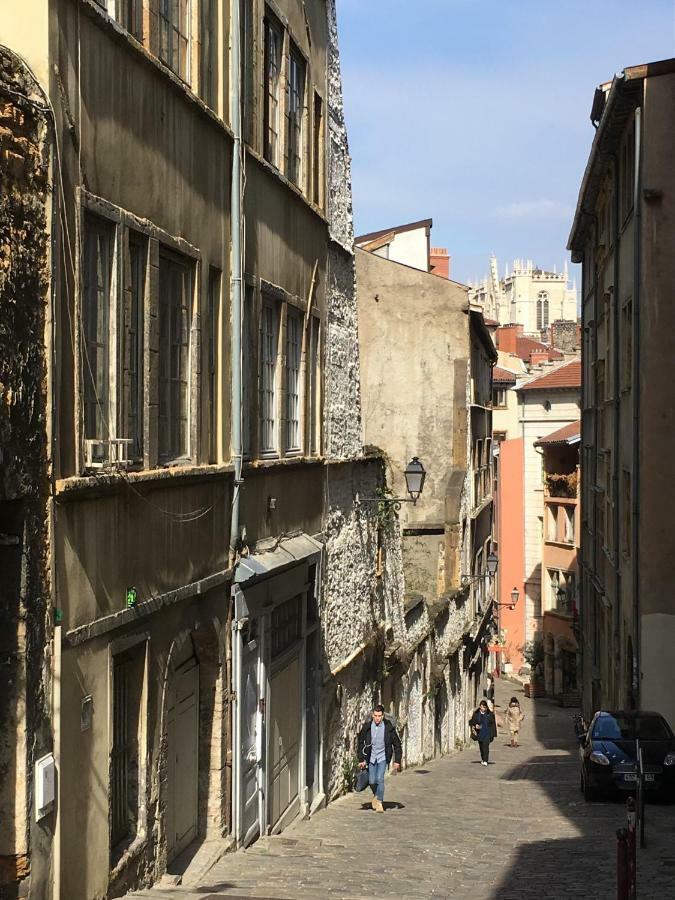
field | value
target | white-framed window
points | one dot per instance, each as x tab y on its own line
97	300
293	386
269	353
498	397
542	311
295	107
249	371
272	81
175	307
173	20
215	281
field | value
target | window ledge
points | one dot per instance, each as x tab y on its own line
77	484
270	462
116	30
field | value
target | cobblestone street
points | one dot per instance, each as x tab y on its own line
514	831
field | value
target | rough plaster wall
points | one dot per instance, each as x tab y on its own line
24	479
342	374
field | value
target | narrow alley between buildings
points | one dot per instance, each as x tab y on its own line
518	830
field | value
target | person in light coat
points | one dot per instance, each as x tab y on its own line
512	719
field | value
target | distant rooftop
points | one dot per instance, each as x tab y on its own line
396	229
564	377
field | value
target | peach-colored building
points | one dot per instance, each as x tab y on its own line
511	549
560	560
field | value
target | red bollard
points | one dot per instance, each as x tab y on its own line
622	866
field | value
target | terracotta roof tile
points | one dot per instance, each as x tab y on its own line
503	375
563	377
568	434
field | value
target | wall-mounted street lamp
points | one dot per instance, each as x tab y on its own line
415	474
561	594
515	597
491	562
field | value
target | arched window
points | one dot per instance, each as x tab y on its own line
542	311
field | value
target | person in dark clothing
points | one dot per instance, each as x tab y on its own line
484	727
378	742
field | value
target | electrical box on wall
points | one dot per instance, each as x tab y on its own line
45	785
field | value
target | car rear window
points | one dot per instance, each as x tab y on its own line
617	728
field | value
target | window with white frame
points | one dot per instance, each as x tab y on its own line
175	292
173	20
214	334
97	268
249	370
293	387
295	105
129	13
269	351
499	397
272	81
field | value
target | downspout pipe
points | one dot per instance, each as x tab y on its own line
635	477
236	205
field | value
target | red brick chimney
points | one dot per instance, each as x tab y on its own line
439	260
507	337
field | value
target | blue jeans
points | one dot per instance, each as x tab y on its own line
376	778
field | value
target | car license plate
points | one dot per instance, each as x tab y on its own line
630	777
649	777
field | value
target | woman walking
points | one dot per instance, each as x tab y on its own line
513	717
483	729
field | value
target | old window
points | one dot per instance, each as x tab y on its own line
208	52
542	311
568	535
134	345
269	349
96	301
127	762
314	387
293	352
626	517
249	371
213	343
175	291
174	35
498	436
318	152
295	103
247	70
273	49
499	397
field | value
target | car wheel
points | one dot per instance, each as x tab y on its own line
589	793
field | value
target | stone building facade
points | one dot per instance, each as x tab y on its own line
622	225
426	360
188	682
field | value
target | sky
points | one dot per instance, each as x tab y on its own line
475	113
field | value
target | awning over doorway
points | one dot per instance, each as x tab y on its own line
272	559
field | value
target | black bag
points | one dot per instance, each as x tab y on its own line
362	780
474	736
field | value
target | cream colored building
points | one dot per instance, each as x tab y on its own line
527	296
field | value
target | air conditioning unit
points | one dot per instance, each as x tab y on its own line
106	454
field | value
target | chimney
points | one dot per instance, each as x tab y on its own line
507	337
439	260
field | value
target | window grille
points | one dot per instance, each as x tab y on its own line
269	350
286	625
295	102
293	351
273	45
174	328
174	35
96	299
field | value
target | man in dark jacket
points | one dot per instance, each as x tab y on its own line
483	729
378	742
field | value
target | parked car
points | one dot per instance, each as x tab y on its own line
608	752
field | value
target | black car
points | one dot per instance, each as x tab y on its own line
609	754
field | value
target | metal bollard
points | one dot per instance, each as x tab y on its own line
622	869
631	820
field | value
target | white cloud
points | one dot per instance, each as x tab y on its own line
533	209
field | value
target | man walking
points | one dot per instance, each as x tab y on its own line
378	742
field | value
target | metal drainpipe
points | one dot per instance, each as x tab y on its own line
236	450
616	537
635	477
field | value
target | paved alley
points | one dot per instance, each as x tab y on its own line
514	831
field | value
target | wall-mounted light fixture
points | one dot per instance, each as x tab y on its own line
415	474
491	563
515	597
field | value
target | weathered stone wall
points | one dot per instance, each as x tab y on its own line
25	731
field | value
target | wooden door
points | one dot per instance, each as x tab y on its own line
182	757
